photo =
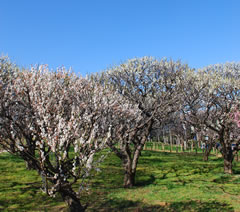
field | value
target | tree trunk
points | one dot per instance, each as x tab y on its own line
184	146
205	156
29	165
227	153
28	157
130	166
228	166
206	153
237	157
178	144
196	147
129	179
129	174
71	199
228	159
30	153
226	150
171	140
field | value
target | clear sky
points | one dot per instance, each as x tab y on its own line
91	35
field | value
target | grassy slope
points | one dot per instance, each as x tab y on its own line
165	182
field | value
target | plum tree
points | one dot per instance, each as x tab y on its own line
210	95
57	122
151	86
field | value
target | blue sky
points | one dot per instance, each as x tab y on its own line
92	35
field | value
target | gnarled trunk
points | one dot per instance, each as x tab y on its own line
129	178
228	166
128	157
71	199
228	159
207	151
130	166
30	165
28	158
227	151
129	175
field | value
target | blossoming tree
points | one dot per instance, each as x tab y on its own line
63	119
151	86
210	95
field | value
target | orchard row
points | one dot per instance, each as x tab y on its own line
57	121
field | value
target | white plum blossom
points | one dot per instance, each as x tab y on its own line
210	96
149	91
57	121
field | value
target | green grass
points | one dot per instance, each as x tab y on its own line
164	182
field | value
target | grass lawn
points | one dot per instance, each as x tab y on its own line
165	182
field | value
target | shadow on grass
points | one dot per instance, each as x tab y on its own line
125	205
137	206
23	187
30	201
200	206
17	196
236	171
220	159
222	179
144	182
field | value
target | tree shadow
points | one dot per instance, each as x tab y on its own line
236	171
29	200
222	179
27	197
220	159
138	206
146	160
22	187
200	206
144	182
124	205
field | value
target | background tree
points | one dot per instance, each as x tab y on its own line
209	96
209	140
